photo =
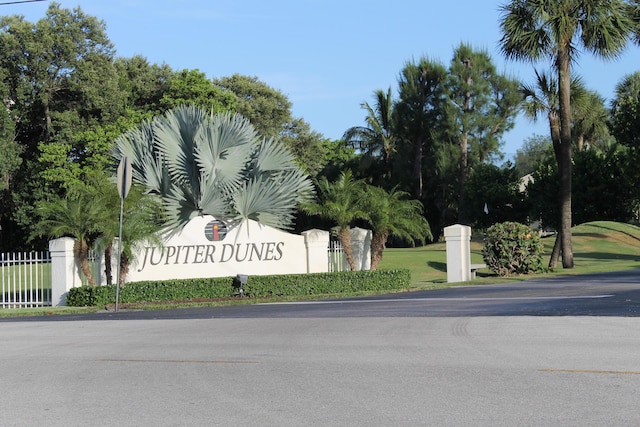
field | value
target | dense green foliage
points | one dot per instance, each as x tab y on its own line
445	122
512	248
603	187
485	104
256	287
625	114
493	195
534	151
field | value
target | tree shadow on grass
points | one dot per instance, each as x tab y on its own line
606	255
605	235
440	266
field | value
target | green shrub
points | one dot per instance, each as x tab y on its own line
327	283
151	291
81	297
256	287
512	248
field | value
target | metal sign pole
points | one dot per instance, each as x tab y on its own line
119	254
124	184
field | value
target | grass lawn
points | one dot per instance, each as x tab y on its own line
597	247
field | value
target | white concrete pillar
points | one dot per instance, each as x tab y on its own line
317	245
458	238
361	248
65	272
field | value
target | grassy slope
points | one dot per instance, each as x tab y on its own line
597	247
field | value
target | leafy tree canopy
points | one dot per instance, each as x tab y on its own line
267	109
534	150
193	87
625	111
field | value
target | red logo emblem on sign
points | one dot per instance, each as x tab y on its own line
215	231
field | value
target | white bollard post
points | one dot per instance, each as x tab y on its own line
317	245
361	248
458	238
65	273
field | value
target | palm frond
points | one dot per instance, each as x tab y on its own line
180	207
273	156
215	164
147	163
215	202
175	137
261	201
393	213
223	150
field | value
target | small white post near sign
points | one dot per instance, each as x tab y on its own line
124	185
458	239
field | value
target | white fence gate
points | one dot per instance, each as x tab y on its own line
337	259
25	279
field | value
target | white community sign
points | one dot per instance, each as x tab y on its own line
207	247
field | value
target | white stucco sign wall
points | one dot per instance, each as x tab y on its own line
207	247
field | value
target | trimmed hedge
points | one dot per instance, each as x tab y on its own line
327	283
256	287
151	291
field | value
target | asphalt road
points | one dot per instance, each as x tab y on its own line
564	352
605	294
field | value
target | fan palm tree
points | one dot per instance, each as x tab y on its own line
377	138
341	202
393	214
214	164
553	29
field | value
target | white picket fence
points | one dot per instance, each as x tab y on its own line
337	259
25	279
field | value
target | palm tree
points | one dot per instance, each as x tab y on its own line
214	164
542	99
590	118
393	214
341	202
553	29
78	216
141	225
377	138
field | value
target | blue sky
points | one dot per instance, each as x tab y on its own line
328	57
